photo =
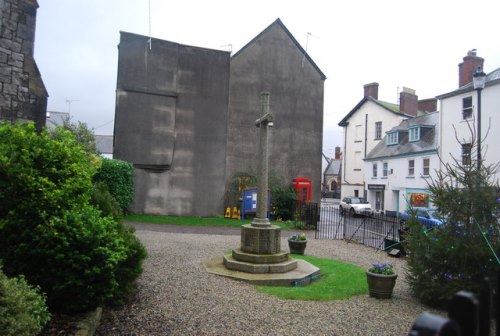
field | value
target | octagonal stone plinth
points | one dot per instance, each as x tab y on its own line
260	240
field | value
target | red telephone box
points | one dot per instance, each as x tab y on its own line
303	187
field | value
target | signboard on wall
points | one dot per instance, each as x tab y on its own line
376	187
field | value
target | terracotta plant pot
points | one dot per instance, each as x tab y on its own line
380	286
297	246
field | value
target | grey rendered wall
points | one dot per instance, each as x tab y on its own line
171	123
272	62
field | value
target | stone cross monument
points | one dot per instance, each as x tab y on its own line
260	259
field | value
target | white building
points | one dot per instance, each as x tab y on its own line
398	169
364	127
459	116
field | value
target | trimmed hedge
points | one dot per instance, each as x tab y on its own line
118	175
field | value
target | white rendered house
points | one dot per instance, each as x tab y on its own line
459	117
398	169
364	127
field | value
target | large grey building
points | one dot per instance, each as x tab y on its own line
274	61
185	117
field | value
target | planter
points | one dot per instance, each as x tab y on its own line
380	286
297	246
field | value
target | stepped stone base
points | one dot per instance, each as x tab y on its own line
260	258
302	275
261	268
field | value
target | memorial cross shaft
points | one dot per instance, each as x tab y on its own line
263	123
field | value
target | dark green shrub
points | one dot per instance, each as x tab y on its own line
22	308
104	201
119	177
283	200
460	254
40	175
49	231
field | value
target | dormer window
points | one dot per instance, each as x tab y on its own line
392	138
414	134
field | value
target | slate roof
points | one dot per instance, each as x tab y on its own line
54	119
491	79
278	22
104	143
333	168
393	108
429	140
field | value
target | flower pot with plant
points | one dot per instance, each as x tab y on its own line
297	243
381	279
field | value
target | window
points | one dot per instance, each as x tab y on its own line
426	163
411	167
378	130
414	134
385	167
374	170
392	138
467	108
466	151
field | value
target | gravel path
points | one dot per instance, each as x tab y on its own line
176	296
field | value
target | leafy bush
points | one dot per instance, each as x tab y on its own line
465	249
49	231
104	201
283	199
119	177
22	307
82	134
239	182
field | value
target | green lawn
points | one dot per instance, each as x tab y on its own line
338	281
198	221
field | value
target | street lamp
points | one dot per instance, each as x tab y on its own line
479	79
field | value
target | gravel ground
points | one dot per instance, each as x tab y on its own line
176	296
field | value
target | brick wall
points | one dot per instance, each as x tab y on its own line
22	92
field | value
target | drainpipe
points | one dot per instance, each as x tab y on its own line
364	157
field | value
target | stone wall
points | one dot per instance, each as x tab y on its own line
22	92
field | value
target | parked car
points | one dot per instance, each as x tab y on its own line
355	206
428	217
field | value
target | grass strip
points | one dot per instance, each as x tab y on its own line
198	221
338	281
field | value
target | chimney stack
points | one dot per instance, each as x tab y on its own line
467	68
337	153
371	90
408	101
427	105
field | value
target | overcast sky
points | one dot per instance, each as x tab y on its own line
417	44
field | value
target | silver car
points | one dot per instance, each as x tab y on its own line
355	206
